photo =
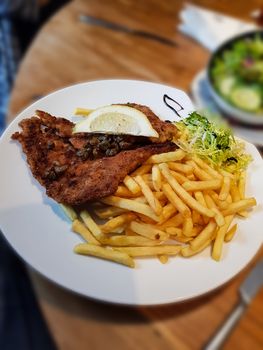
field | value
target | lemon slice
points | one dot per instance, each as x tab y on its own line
117	119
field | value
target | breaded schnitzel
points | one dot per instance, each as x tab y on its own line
76	168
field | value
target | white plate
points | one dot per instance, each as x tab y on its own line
40	233
203	99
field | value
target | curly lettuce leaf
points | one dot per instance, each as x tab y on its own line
213	142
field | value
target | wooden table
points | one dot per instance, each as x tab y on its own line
67	51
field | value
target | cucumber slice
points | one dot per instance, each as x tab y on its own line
225	85
246	98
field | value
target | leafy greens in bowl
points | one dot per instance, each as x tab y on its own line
235	76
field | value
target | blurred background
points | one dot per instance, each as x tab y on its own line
211	49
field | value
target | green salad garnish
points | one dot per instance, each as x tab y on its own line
212	141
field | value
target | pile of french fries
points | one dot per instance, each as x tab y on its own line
173	204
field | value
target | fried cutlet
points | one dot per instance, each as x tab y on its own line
76	168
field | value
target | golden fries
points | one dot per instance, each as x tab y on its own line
118	221
148	194
188	227
174	203
69	211
109	212
230	234
202	185
83	111
156	178
130	241
182	168
166	157
104	253
217	247
225	188
81	229
189	200
203	236
150	251
163	258
91	224
131	205
131	184
242	185
148	231
239	206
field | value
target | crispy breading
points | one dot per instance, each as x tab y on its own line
76	168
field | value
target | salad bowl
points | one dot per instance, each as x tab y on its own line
234	78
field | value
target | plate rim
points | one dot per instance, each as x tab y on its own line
135	303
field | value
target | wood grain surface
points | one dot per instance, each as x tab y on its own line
67	51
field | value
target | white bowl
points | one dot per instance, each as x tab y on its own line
248	118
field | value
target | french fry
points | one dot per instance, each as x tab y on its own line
188	227
242	184
181	239
225	188
129	232
118	221
145	219
69	211
81	229
91	224
83	111
151	251
198	172
163	258
108	212
160	195
234	192
148	231
156	178
174	231
179	177
104	253
168	211
187	252
241	205
124	192
176	201
130	241
151	199
196	217
226	173
218	244
191	177
166	157
219	218
144	169
174	221
182	168
141	199
190	201
203	236
131	205
202	185
196	230
203	165
201	199
131	184
230	234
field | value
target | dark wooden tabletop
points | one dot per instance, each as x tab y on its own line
67	51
